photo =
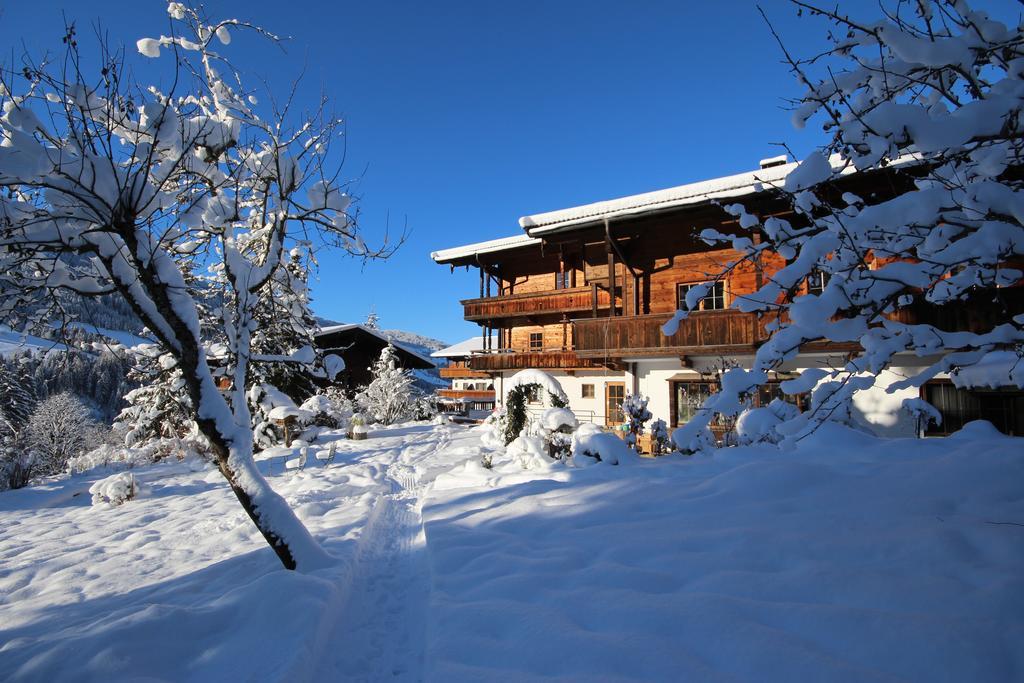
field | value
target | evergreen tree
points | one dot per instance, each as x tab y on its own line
159	408
388	398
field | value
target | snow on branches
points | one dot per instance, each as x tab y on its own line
929	99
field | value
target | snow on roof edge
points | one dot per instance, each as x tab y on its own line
462	348
500	244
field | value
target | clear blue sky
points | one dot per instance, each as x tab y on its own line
463	116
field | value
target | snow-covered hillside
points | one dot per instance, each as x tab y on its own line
849	559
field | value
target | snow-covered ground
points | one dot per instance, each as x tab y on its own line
851	559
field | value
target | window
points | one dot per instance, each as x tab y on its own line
714	300
588	391
533	394
689	397
536	341
563	280
816	282
1004	407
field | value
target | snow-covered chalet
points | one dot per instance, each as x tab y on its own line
582	293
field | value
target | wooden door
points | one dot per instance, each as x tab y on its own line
614	395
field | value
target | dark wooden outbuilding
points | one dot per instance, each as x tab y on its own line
360	348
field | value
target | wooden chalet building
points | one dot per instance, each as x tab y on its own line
584	291
472	391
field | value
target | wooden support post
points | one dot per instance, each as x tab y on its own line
593	296
611	282
481	282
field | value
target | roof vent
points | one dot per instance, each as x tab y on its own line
774	161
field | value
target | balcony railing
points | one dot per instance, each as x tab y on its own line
706	330
462	373
470	394
540	360
529	304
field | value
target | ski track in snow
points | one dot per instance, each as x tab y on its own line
378	634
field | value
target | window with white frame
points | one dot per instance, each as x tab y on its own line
714	300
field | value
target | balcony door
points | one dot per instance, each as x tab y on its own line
614	395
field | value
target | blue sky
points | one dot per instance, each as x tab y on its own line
463	116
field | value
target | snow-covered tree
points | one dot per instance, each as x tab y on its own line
109	187
930	95
388	398
17	398
60	428
372	321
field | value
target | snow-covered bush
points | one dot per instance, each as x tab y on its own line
923	413
388	398
591	441
60	428
660	438
758	425
700	441
117	456
634	409
554	427
425	407
530	452
116	489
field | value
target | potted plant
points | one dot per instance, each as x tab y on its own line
357	427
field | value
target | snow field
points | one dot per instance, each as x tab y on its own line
852	559
849	559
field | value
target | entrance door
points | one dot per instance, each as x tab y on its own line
614	395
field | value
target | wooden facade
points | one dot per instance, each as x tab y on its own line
599	292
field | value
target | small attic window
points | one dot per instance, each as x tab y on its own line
774	161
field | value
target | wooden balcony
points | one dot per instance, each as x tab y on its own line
705	331
524	307
462	373
540	360
466	394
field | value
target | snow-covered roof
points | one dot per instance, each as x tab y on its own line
464	348
659	200
500	244
331	329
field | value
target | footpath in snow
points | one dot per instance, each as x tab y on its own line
850	559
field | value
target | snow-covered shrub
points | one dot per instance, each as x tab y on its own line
114	455
60	428
634	409
699	441
425	407
115	489
591	441
529	451
388	397
660	438
555	427
758	425
494	428
923	413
